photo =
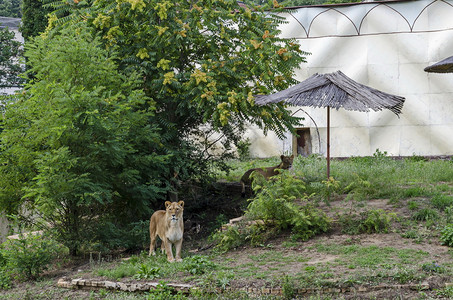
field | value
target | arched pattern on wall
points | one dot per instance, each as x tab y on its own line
354	19
332	22
372	22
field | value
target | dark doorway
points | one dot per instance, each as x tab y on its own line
302	142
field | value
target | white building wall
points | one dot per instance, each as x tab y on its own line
385	46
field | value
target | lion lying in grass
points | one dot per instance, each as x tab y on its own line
169	226
286	163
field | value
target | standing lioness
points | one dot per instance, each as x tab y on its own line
169	226
286	163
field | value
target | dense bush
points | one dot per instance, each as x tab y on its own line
30	255
280	204
91	161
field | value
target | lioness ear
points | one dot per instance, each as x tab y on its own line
181	203
282	157
167	204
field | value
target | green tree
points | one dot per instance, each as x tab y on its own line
10	67
11	8
78	149
202	62
34	18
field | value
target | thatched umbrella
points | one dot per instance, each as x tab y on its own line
444	66
334	90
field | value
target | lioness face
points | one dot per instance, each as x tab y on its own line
174	210
287	161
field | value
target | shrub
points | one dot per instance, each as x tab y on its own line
372	221
5	278
377	221
358	189
441	201
446	236
331	187
147	272
288	288
282	204
198	265
228	239
425	214
30	255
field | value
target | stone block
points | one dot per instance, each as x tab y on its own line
123	286
110	285
82	282
75	281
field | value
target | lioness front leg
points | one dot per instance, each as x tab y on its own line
178	246
168	246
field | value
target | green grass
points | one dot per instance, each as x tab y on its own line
381	176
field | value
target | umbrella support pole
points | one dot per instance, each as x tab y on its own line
328	142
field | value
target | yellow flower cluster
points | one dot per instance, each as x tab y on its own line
169	77
164	64
110	36
102	21
199	76
160	30
137	4
250	98
224	113
162	8
143	53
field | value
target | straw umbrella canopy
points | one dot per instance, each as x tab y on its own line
443	66
334	90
